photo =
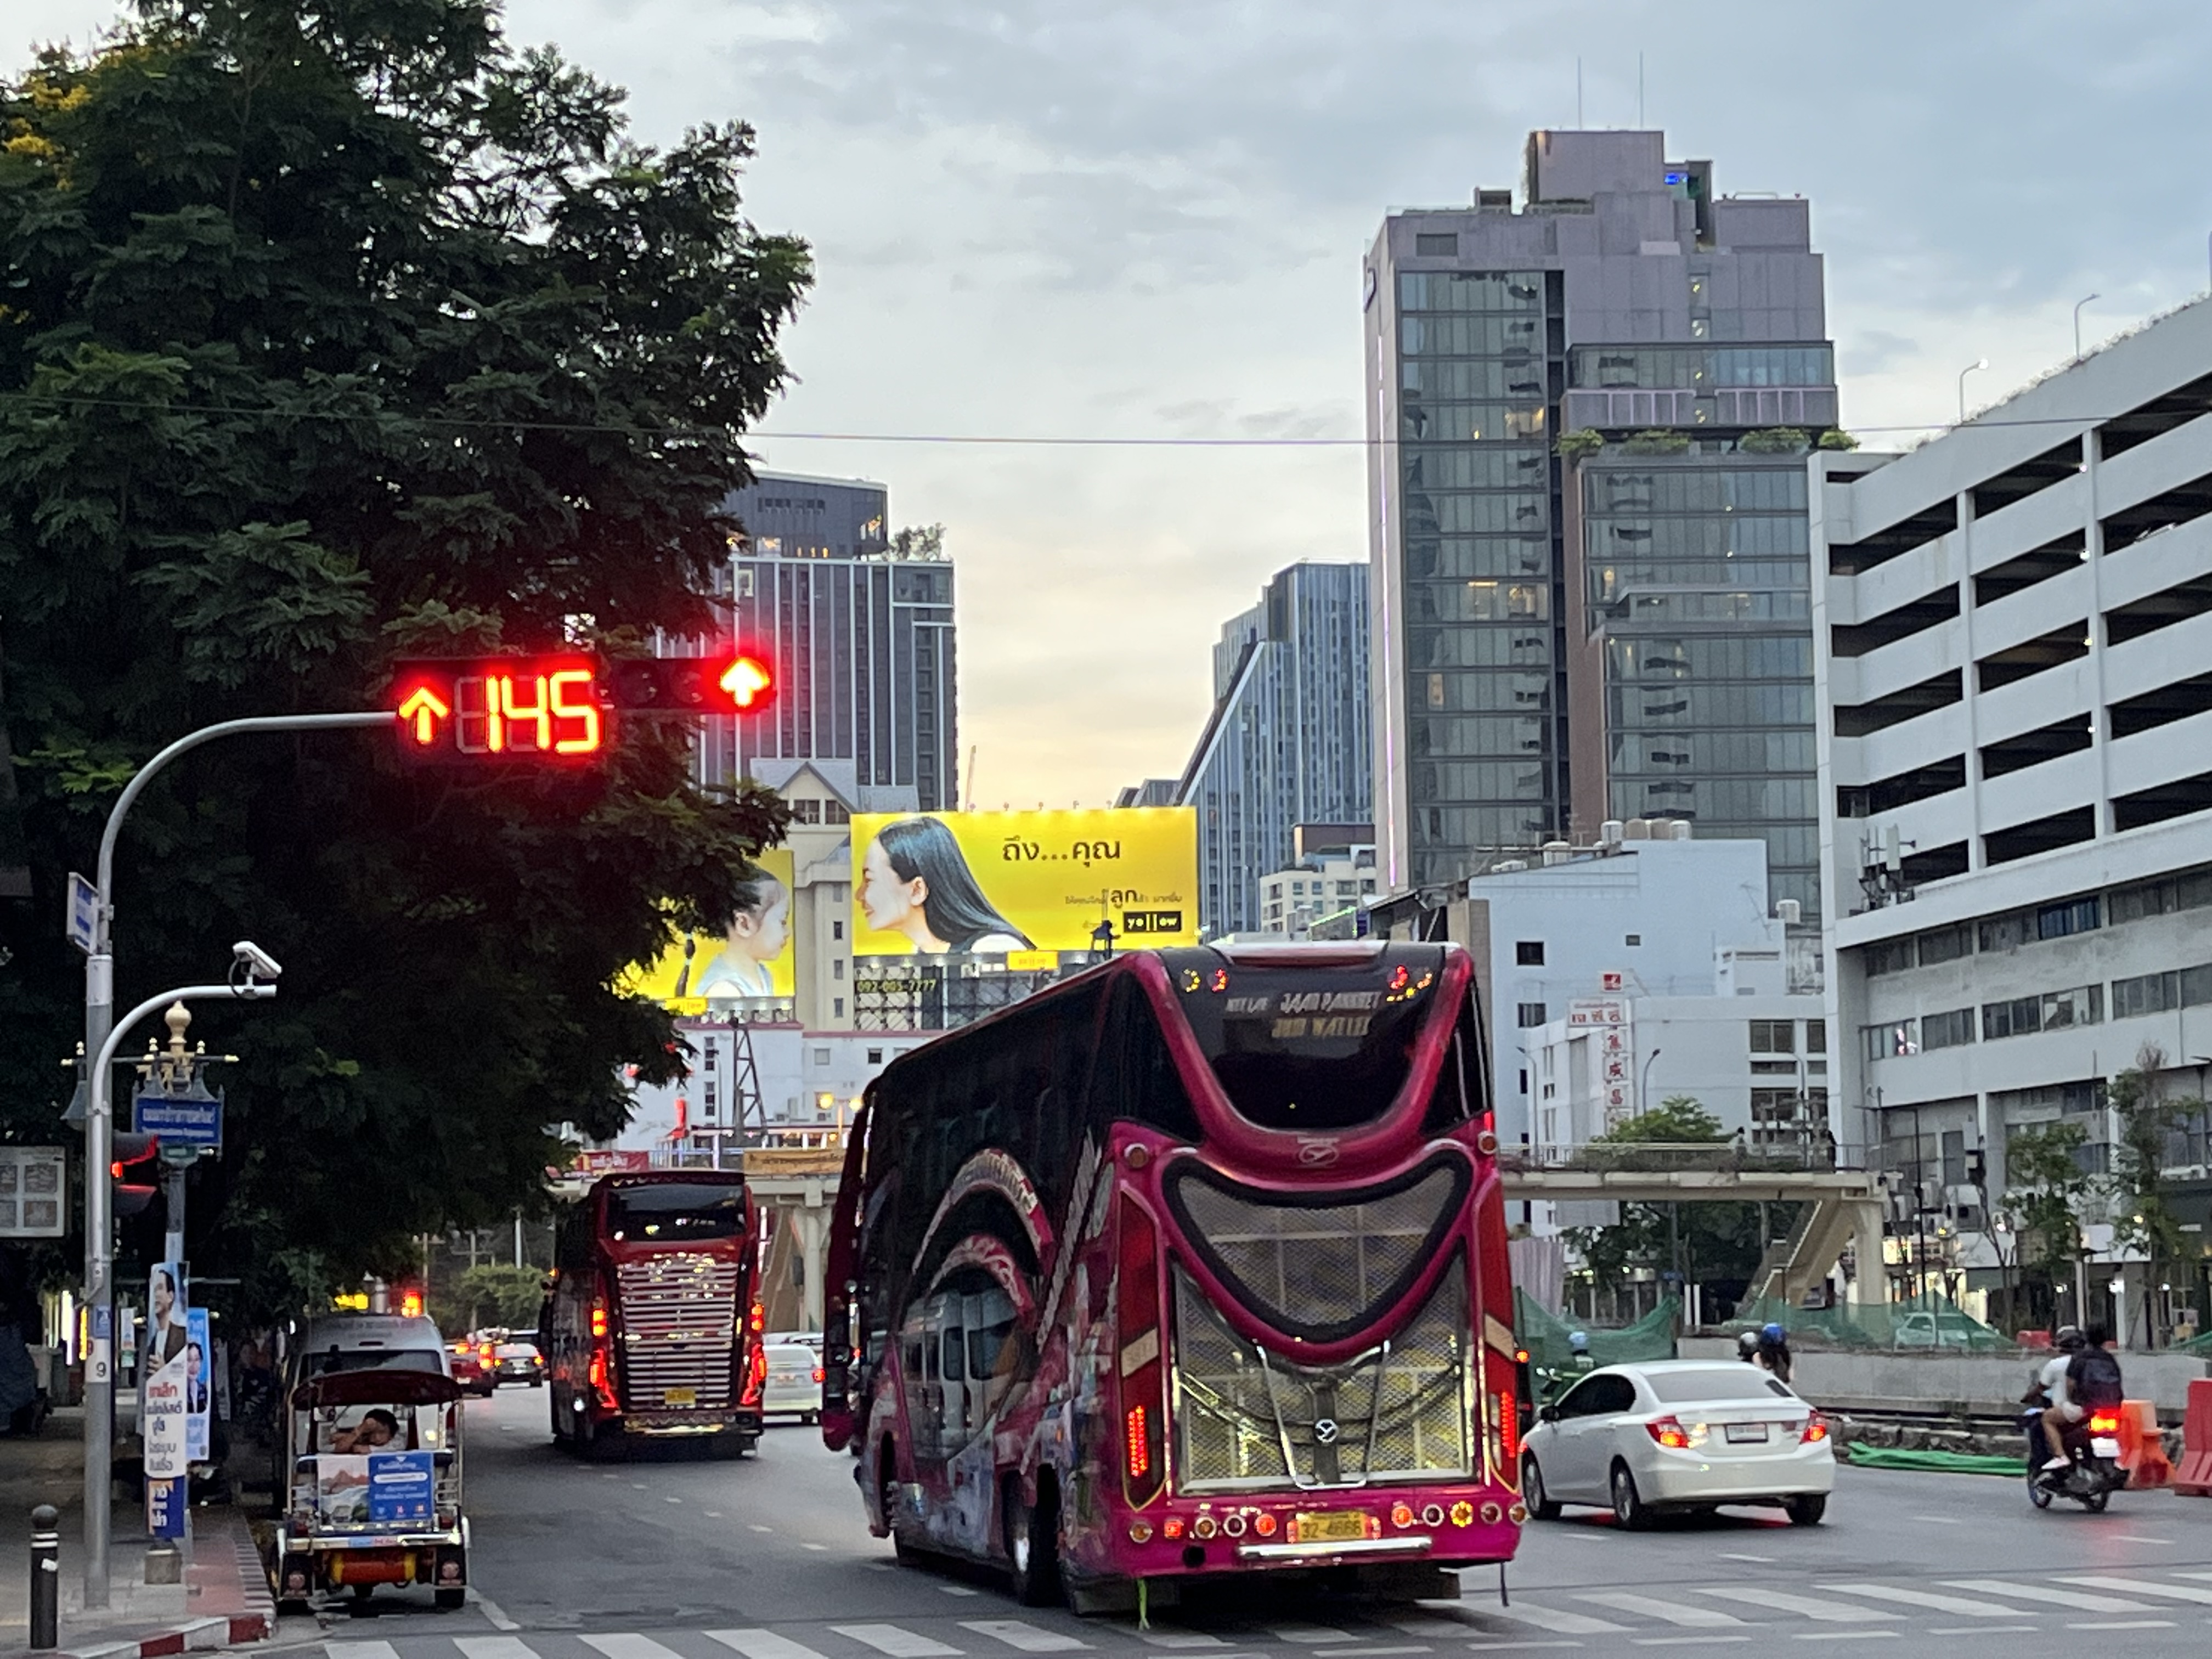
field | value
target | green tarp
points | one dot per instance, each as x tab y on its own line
1919	1321
1550	1356
1935	1463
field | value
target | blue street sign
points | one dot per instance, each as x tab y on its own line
179	1123
83	922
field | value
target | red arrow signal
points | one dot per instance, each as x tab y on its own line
747	683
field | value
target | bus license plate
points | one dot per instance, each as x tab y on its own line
1741	1432
679	1397
1328	1527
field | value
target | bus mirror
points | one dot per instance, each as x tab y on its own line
837	1426
837	1356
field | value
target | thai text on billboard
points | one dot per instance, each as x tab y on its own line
990	883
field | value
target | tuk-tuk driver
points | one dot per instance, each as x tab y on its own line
378	1427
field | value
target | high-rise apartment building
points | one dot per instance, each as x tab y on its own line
1288	741
1589	564
860	625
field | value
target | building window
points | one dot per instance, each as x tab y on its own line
2146	993
1632	939
1528	953
1774	1068
837	929
837	1006
1531	1013
1773	1036
2013	1018
1816	1037
806	811
837	968
1947	1030
1945	943
875	1056
1436	246
1899	1037
2074	916
821	1056
836	811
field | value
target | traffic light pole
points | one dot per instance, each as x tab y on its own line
99	1031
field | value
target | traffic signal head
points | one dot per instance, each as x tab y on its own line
732	681
134	1171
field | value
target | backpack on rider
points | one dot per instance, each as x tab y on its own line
2092	1380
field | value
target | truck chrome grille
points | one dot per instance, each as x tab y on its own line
680	1329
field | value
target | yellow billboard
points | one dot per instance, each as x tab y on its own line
994	882
753	956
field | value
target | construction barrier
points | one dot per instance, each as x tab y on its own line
2143	1446
2194	1478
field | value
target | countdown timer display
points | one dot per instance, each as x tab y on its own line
461	710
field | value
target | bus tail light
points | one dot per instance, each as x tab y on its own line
602	1379
1142	1367
598	1321
756	1373
756	1320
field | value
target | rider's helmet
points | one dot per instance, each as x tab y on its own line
2070	1338
1770	1333
1578	1341
1747	1343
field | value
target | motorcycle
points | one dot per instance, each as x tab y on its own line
2093	1473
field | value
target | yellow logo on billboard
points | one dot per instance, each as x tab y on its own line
995	883
753	956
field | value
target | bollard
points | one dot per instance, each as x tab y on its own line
46	1579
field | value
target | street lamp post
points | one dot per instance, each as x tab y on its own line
1978	362
2078	304
1643	1085
100	1027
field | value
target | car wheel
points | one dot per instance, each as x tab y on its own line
1629	1507
1542	1506
1806	1511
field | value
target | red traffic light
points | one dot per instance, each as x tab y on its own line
456	710
134	1171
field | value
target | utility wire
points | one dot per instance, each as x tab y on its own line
1009	439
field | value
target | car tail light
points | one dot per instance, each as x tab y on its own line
1136	1329
1669	1431
485	1353
1816	1428
2103	1422
817	1373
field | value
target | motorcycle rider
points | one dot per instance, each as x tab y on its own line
2092	1378
2051	1385
1774	1351
1578	1353
1747	1347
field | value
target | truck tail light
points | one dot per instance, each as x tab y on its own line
1142	1365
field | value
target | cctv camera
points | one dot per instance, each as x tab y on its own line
257	961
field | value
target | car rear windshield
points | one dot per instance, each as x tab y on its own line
375	1360
1722	1382
676	1211
1309	1049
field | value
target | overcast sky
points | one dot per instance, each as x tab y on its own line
1117	218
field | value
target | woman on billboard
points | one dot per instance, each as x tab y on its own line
915	881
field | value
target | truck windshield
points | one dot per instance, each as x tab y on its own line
678	1212
1308	1048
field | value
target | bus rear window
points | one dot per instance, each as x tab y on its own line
1312	1048
675	1213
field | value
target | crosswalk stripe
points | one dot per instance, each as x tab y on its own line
2144	1587
760	1644
1557	1621
2045	1593
361	1650
898	1643
1181	1639
1918	1598
1026	1637
1309	1633
1675	1613
627	1644
495	1647
1811	1607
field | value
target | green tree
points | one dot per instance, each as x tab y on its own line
328	335
2144	1217
1703	1241
2044	1188
494	1293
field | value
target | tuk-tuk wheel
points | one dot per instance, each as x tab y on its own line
450	1599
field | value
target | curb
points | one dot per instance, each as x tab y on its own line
194	1635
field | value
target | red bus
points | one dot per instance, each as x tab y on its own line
1193	1265
653	1325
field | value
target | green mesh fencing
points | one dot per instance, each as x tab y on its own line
1927	1322
2199	1346
1551	1357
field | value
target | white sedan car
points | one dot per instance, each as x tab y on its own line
1678	1434
794	1382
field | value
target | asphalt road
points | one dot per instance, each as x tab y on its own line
768	1559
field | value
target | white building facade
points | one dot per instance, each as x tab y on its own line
2014	650
1292	900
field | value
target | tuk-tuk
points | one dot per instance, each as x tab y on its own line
375	1494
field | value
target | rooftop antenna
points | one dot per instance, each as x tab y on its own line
1578	94
1639	91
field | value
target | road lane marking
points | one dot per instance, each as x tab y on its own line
2045	1593
2122	1623
1181	1639
1506	1647
492	1610
1940	1520
1431	1626
892	1640
1675	1613
2135	1538
1682	1641
1370	1653
672	1500
1029	1638
1835	1613
1914	1598
361	1650
626	1645
1558	1623
2142	1586
495	1647
824	1548
958	1589
757	1527
760	1644
1730	1555
1309	1633
1980	1630
714	1515
1849	1635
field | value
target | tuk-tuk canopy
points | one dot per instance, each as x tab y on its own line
376	1388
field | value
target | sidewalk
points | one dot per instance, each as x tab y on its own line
225	1599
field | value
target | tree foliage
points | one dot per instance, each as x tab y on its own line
1705	1240
494	1293
329	334
2045	1187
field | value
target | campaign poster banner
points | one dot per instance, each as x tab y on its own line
754	955
401	1486
997	884
165	1507
198	1399
341	1488
163	1416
